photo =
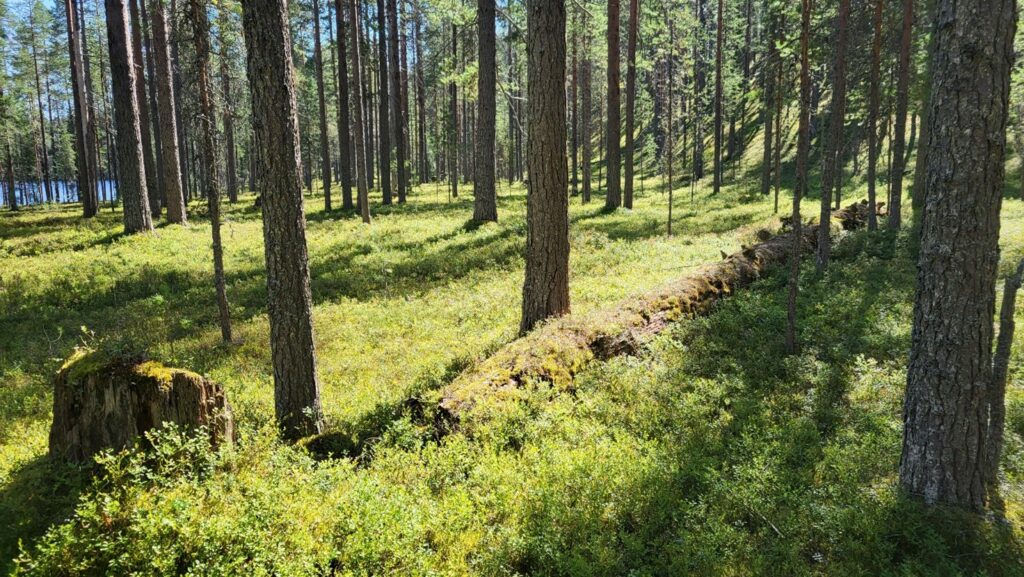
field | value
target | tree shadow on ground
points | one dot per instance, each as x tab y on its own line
774	470
37	494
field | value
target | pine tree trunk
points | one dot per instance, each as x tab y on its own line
86	176
634	17
945	412
325	143
771	61
485	203
803	150
902	98
453	125
167	114
874	91
717	180
230	161
42	125
207	122
832	162
131	167
363	169
345	162
289	300
383	106
149	160
546	288
586	122
421	105
613	133
398	123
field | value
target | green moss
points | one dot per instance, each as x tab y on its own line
83	362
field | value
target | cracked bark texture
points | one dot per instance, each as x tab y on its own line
276	128
546	289
166	116
131	168
485	202
950	369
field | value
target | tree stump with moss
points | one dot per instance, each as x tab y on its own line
102	402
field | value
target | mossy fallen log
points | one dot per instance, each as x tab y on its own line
103	402
556	352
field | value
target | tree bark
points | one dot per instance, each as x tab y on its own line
275	122
485	202
131	166
546	288
362	168
149	161
902	98
950	372
586	122
167	114
832	162
207	121
325	143
344	128
383	117
613	199
86	176
771	61
397	116
230	162
874	91
42	125
717	180
802	152
634	17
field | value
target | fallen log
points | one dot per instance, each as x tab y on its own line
102	402
560	349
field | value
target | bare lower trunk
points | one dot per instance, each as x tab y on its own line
614	131
485	203
289	300
167	114
945	414
546	288
131	167
832	162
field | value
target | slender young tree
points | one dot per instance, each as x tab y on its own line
362	167
768	80
384	106
546	288
874	93
86	176
289	300
45	153
344	127
167	113
485	202
902	100
211	183
717	180
832	162
453	123
230	163
325	144
945	435
586	123
131	167
613	199
399	129
631	39
802	152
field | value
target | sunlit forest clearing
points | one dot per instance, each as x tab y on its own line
511	288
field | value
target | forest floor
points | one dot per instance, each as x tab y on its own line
711	453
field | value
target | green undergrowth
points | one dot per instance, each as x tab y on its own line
711	453
400	307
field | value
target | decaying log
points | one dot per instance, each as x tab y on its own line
101	402
557	351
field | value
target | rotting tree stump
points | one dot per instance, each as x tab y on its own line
101	403
553	354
